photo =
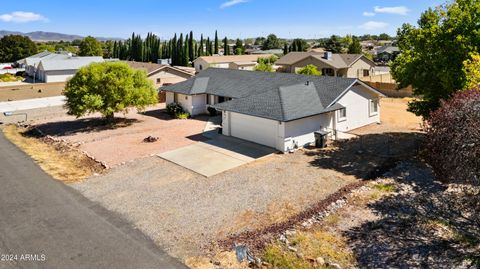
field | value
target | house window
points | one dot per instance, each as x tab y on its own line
366	72
373	107
328	72
208	99
159	81
175	98
200	67
342	114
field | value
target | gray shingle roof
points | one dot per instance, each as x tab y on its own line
337	61
278	96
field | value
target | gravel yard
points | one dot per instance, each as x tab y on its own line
184	212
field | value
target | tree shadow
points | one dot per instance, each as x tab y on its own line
422	226
160	114
64	128
367	156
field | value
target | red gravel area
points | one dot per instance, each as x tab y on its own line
124	141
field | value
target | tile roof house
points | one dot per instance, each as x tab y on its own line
279	110
204	62
339	65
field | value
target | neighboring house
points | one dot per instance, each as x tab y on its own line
338	65
279	110
61	69
386	53
161	74
204	62
31	63
272	51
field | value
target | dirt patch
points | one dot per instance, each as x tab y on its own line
61	161
394	117
30	91
124	142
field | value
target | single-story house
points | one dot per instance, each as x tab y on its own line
331	64
279	110
161	74
31	63
60	70
204	62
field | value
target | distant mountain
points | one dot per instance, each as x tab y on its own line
50	36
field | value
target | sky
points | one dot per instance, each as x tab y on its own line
232	18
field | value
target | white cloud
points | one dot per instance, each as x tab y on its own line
400	10
22	17
374	25
232	3
368	14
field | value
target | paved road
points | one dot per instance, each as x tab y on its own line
13	106
49	221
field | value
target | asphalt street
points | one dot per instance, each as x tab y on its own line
46	224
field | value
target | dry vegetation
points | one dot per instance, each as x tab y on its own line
57	159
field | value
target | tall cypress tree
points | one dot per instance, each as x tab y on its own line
208	46
173	54
285	49
216	43
200	47
226	48
191	50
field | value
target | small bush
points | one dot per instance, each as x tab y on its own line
213	112
174	108
182	115
453	138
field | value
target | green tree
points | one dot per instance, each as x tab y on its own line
309	70
16	47
226	47
355	47
191	48
432	55
285	49
471	68
334	44
239	48
90	47
259	41
263	67
215	50
201	51
299	44
384	36
271	42
108	88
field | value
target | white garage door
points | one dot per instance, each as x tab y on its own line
255	129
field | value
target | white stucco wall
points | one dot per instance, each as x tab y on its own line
300	131
169	97
199	104
358	109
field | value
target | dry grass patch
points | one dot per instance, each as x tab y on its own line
60	161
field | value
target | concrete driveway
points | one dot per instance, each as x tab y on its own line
216	155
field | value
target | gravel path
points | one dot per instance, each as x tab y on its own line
184	212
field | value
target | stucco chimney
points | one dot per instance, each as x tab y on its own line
327	55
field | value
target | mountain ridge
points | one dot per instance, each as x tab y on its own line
41	36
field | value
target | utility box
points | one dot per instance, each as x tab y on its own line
321	139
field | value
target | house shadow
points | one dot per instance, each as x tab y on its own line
367	156
427	228
64	128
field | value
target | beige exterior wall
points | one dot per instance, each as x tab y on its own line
165	78
356	70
